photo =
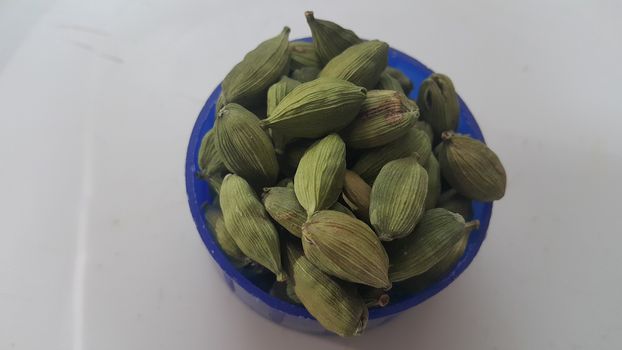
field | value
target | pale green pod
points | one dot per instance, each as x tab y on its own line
434	182
345	247
443	267
407	85
335	304
320	174
316	108
248	82
244	146
360	64
424	126
436	234
438	102
303	55
305	74
397	199
278	91
216	223
385	116
388	82
414	143
470	167
210	162
249	224
329	38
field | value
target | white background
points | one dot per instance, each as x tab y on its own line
97	101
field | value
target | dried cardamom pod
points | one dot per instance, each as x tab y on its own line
303	54
456	203
397	199
279	90
210	161
329	39
374	297
216	223
424	126
244	146
316	108
388	82
415	142
407	85
335	304
345	247
385	116
356	194
319	177
249	225
360	64
470	167
438	102
443	267
434	182
249	80
282	205
436	234
305	74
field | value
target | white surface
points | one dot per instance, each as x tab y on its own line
98	98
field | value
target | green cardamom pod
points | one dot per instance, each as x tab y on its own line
374	297
210	161
320	174
282	205
407	85
216	223
470	167
335	304
397	199
249	80
443	267
360	64
425	127
279	90
305	74
388	82
415	142
244	146
316	108
329	38
438	102
434	182
385	116
356	194
433	239
249	224
456	203
345	247
303	55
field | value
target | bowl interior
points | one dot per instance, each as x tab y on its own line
199	194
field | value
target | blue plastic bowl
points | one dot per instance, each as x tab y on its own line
297	317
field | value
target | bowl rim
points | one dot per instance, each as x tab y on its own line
234	274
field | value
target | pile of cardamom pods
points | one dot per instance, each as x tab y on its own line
330	177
